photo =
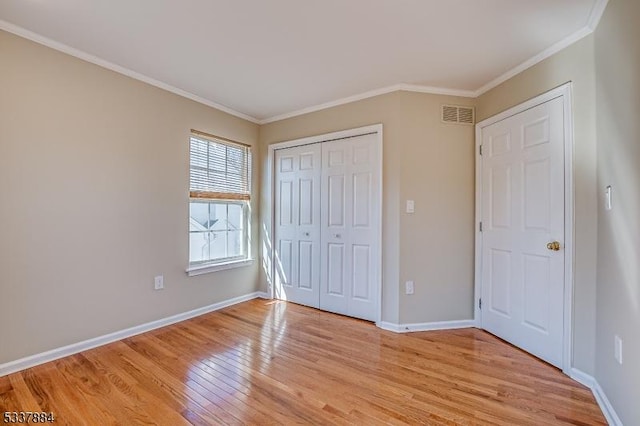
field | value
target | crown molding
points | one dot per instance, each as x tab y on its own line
402	87
596	13
594	18
562	44
77	53
45	41
331	104
437	90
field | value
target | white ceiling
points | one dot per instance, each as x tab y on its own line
268	59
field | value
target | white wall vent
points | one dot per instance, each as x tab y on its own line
458	114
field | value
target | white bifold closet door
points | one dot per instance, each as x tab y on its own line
328	225
350	211
297	212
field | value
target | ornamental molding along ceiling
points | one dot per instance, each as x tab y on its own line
24	20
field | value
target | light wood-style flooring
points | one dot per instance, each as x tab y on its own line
270	362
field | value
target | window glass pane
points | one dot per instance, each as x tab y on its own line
218	217
218	245
235	216
216	231
234	243
198	246
198	216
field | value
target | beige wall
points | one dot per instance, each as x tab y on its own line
437	242
94	177
575	64
94	169
423	160
617	55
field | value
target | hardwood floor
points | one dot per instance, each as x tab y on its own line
270	362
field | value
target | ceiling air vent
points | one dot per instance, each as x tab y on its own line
458	114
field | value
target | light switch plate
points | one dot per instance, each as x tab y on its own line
411	206
618	349
409	289
158	282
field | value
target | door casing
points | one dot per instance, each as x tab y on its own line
269	251
563	92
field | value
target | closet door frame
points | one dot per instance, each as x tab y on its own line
268	249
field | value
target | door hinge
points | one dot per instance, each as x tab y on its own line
480	149
480	227
480	303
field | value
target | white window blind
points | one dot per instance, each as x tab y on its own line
219	169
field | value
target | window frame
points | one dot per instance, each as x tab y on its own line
243	200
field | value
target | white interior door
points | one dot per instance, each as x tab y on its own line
350	212
522	212
297	224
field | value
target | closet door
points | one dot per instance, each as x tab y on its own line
350	212
297	230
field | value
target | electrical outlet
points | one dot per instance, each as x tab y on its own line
618	349
158	282
409	287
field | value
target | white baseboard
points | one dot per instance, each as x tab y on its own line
52	355
262	295
425	326
601	398
605	405
581	377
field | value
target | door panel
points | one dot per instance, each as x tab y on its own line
350	220
335	257
360	270
361	200
308	161
306	262
285	257
537	271
501	197
522	211
306	202
536	195
286	203
335	268
336	201
297	232
500	279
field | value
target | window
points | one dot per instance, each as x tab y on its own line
219	191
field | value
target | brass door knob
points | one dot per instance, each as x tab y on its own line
554	246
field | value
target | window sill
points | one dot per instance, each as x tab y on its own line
207	268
